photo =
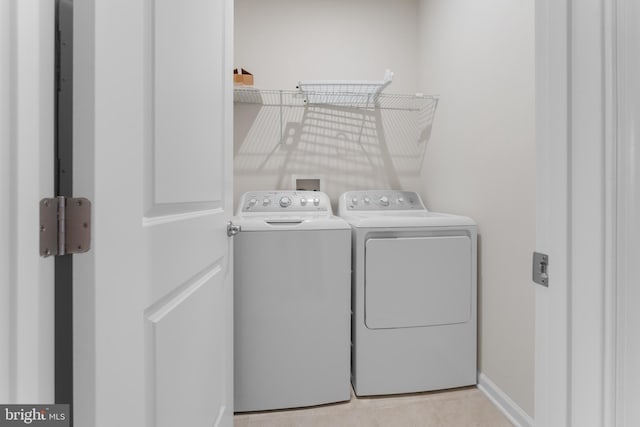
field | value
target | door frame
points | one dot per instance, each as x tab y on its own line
26	168
627	343
576	216
559	24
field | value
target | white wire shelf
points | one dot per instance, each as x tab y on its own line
344	92
289	98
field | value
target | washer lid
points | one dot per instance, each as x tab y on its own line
393	209
290	223
400	220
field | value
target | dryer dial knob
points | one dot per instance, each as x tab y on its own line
285	202
303	202
252	202
367	200
316	201
266	201
354	200
384	201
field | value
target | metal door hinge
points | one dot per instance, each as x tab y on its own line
540	265
233	229
65	226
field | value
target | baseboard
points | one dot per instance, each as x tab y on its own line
508	407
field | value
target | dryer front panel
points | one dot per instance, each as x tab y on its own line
417	281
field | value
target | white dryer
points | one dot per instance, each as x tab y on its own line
413	294
292	290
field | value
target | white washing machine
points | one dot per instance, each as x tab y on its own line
292	279
413	294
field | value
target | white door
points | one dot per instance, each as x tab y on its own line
26	176
152	150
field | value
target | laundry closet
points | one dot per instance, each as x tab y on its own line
456	125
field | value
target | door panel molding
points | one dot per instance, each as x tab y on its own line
175	374
170	212
164	305
184	68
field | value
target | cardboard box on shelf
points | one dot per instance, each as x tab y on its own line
242	77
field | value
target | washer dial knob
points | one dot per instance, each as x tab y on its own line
303	201
266	201
252	202
384	201
316	201
285	202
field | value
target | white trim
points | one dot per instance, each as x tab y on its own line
27	62
552	388
627	374
514	413
610	220
589	215
575	317
6	181
168	219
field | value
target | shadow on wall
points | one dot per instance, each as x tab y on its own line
381	146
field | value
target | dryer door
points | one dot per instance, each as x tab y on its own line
417	281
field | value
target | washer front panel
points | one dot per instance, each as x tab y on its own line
291	319
417	281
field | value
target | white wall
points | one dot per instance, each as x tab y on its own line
284	41
479	56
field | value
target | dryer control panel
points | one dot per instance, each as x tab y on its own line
285	201
381	200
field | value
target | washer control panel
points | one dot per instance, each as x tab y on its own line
285	201
382	200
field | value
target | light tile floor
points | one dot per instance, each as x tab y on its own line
464	407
